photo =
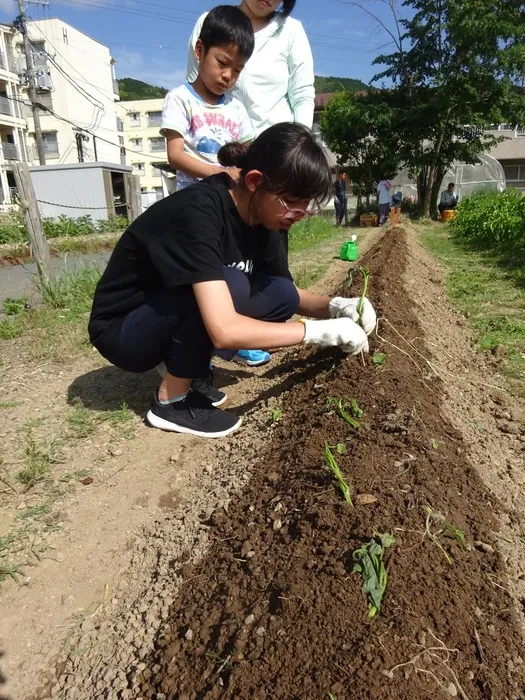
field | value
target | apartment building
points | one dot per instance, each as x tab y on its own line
12	114
511	153
76	82
145	147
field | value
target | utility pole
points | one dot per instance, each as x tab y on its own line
31	77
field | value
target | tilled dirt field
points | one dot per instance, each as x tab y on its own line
273	609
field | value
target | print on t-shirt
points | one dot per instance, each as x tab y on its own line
204	127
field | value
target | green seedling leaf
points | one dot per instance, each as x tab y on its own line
277	414
336	472
348	412
379	359
458	534
435	444
370	565
341	448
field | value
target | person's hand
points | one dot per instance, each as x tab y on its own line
342	332
341	307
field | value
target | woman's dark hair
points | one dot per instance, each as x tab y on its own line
226	24
291	161
287	7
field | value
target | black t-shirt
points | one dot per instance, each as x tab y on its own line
187	237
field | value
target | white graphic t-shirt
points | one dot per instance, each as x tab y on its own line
204	127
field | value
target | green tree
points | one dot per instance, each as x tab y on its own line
332	84
456	68
357	127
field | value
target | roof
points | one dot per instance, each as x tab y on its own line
322	99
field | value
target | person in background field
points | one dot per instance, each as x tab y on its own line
383	199
207	268
199	118
340	201
449	199
277	84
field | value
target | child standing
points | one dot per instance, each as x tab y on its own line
198	119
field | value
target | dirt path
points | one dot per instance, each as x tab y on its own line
89	557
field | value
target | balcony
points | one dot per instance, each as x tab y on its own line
3	63
10	151
6	106
14	62
158	145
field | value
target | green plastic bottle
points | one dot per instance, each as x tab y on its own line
349	250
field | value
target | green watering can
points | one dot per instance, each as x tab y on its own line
349	250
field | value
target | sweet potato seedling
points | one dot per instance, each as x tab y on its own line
434	517
369	563
379	359
336	472
458	534
352	273
348	411
277	414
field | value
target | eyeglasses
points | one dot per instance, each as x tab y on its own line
296	214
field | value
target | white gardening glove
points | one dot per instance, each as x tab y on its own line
342	332
339	306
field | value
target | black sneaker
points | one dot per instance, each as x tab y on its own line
204	385
194	415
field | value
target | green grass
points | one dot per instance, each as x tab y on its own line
83	421
58	328
309	232
490	291
38	458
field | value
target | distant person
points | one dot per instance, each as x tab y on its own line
199	117
383	199
340	201
207	268
277	84
397	200
449	199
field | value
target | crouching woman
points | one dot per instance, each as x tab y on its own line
206	268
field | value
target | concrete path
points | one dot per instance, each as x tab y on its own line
18	281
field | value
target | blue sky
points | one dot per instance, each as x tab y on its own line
149	39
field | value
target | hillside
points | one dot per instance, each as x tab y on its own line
332	84
131	89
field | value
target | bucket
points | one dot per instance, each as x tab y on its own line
448	214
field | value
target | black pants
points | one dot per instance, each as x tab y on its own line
445	207
340	209
169	327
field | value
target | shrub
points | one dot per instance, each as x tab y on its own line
12	228
494	220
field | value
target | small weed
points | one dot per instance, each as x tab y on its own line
435	444
12	307
38	459
81	420
35	511
120	418
379	359
336	472
340	448
10	571
9	404
72	476
369	563
277	414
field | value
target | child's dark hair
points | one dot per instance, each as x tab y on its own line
226	24
291	161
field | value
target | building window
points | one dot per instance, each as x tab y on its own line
157	143
512	172
138	167
136	144
154	118
134	118
50	143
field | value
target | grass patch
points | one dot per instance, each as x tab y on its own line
9	404
490	291
83	421
57	329
38	458
309	232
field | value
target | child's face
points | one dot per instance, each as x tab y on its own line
219	66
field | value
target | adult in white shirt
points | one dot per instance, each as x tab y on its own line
277	83
383	199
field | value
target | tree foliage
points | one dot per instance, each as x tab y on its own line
456	68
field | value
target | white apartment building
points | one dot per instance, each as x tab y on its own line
76	80
76	83
13	124
145	147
